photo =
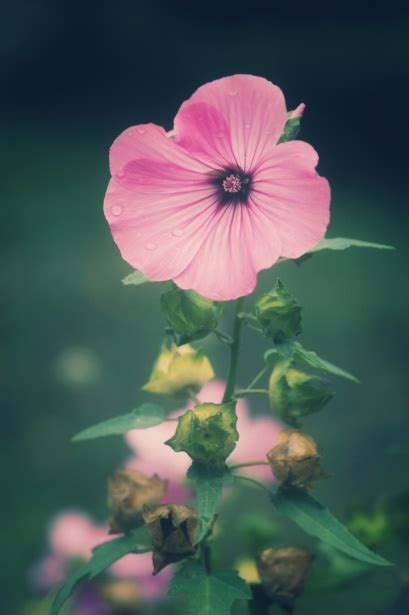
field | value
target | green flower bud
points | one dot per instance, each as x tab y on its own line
294	393
179	372
283	573
279	314
173	529
190	315
207	433
295	459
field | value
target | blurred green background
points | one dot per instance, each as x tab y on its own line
76	345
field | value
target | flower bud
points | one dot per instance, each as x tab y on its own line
283	573
295	461
279	314
179	372
173	529
190	315
207	433
128	492
294	393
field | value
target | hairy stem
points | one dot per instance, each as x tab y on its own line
234	352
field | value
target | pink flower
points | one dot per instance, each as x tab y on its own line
73	534
257	436
217	199
139	568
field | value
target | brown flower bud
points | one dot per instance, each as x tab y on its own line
283	573
295	460
173	529
128	492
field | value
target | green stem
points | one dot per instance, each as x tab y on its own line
257	377
244	392
206	557
234	352
254	482
248	464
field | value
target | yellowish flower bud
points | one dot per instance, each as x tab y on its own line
128	492
179	372
121	593
295	460
173	529
295	393
283	573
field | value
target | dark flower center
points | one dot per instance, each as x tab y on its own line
233	186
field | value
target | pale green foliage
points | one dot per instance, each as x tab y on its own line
208	594
317	521
143	417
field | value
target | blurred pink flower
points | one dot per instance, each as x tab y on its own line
257	435
217	200
73	535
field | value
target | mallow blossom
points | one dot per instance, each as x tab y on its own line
217	199
257	436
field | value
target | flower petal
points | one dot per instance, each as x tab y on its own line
232	247
148	142
292	196
234	121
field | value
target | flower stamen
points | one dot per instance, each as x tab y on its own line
232	184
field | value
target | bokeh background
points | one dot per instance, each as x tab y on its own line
76	345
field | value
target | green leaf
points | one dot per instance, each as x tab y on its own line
342	243
313	360
143	417
102	557
136	278
317	521
291	130
294	351
208	594
209	482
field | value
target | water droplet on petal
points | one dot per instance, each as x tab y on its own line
141	130
150	245
233	93
177	232
116	210
120	173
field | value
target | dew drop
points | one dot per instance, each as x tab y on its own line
120	173
150	245
141	130
233	93
116	210
177	232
